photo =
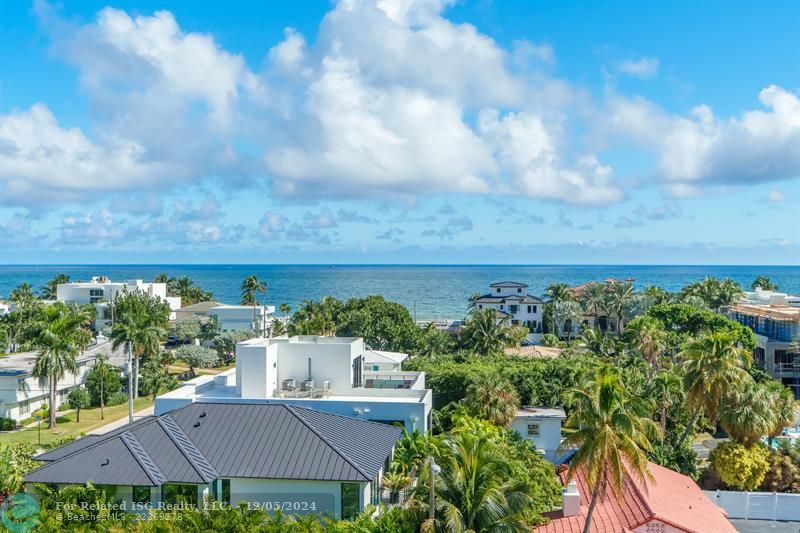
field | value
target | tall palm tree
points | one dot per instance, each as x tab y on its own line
647	336
729	292
250	287
60	336
50	289
285	309
594	301
620	294
568	313
613	432
485	334
137	331
558	292
711	365
667	388
22	294
494	399
103	371
476	489
473	299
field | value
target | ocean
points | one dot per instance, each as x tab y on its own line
429	291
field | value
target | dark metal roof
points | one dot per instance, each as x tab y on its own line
204	441
494	298
508	284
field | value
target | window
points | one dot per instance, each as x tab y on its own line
529	309
498	290
533	430
480	306
534	309
515	322
358	365
173	494
514	309
21	384
376	368
501	307
351	502
141	494
519	290
24	407
375	493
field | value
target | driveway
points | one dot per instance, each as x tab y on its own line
122	421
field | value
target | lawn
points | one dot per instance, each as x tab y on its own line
67	427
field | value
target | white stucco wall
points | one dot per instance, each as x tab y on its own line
549	438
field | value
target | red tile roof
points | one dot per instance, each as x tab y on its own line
672	498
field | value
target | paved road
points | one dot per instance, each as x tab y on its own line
765	526
122	421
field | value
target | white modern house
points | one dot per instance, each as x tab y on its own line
21	393
323	373
383	361
242	317
541	426
774	317
511	300
101	290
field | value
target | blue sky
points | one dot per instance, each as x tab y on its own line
400	132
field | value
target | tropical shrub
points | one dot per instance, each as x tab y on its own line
384	325
7	424
550	340
78	399
782	474
117	398
740	467
225	343
111	383
197	356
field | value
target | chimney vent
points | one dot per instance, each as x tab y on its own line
572	500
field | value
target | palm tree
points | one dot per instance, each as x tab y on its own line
485	334
596	342
494	399
568	313
647	336
473	299
594	301
711	365
746	414
476	489
285	309
103	371
250	286
666	387
22	294
138	332
50	289
783	407
558	292
620	294
764	283
613	431
60	336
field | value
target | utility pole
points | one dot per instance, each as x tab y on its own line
130	382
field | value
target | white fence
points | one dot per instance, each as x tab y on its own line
757	505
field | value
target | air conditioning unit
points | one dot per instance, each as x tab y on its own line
307	385
289	384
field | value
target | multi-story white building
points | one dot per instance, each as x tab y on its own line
323	373
101	290
511	299
242	317
775	319
21	393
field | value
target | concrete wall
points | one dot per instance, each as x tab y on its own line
329	362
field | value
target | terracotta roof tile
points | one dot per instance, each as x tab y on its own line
672	498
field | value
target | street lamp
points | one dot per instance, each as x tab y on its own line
434	471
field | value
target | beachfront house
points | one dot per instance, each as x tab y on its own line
511	301
541	426
100	291
775	319
301	460
323	373
21	393
242	317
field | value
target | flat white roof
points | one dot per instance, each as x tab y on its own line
380	356
541	412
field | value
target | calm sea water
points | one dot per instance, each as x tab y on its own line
430	291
